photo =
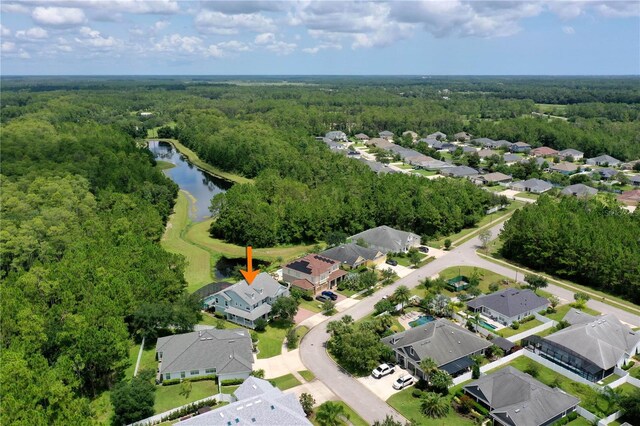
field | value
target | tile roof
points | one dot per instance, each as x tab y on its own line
518	399
312	264
510	302
259	403
228	351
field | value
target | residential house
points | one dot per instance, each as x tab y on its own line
387	239
520	147
604	160
380	143
564	168
579	190
462	137
538	161
334	146
509	305
362	137
535	186
337	136
385	134
492	179
428	141
629	165
515	398
210	289
500	144
258	403
511	159
226	353
449	345
438	135
591	348
634	180
459	171
543	151
445	146
630	198
484	142
607	173
243	303
313	273
414	135
353	256
486	153
431	164
573	153
377	167
465	149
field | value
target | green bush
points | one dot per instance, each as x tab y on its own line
189	409
515	325
527	319
416	393
480	408
231	382
189	379
261	324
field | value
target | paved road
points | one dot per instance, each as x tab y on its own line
356	395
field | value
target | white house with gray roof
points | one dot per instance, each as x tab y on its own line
591	347
258	403
579	190
387	239
243	303
226	353
449	345
517	399
354	256
570	152
604	160
337	135
536	186
459	171
508	305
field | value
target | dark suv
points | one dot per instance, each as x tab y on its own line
331	295
322	298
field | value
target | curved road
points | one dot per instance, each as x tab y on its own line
357	396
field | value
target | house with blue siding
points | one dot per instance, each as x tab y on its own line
243	303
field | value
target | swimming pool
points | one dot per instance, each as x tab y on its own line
421	320
487	325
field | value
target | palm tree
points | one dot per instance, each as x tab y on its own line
329	414
440	381
434	405
611	396
428	367
402	295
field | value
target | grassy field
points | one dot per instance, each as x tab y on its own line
354	418
409	407
527	195
425	172
102	408
508	331
198	269
168	397
270	341
307	375
285	382
311	305
229	389
488	277
562	310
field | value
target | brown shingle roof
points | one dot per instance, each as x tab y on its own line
543	151
312	264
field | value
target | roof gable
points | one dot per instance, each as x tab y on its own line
510	302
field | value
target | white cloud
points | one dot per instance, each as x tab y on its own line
161	25
58	16
245	6
281	48
265	38
316	49
568	30
35	33
4	31
234	46
619	9
214	51
219	23
8	46
93	38
177	43
13	8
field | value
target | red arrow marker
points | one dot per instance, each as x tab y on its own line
249	275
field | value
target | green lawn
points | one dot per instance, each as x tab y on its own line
311	305
527	195
562	310
198	268
635	371
581	421
488	277
168	397
409	407
285	382
270	341
102	408
425	172
608	380
229	389
404	166
588	397
307	375
301	331
508	331
354	418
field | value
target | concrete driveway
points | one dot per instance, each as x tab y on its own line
401	271
383	387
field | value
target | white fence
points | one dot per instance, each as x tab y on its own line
534	330
157	419
490	366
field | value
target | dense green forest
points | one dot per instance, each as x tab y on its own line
82	211
589	242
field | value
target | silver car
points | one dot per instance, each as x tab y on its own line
403	382
382	370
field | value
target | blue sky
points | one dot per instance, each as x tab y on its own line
319	37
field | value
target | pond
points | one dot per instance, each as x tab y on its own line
200	185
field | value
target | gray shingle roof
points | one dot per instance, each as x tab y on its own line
533	185
603	341
459	171
579	190
351	254
441	340
377	167
483	141
570	151
575	316
386	237
262	287
519	399
511	158
385	133
604	159
228	351
259	404
510	302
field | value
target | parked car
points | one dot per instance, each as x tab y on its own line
424	249
403	382
331	295
382	370
322	298
392	262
